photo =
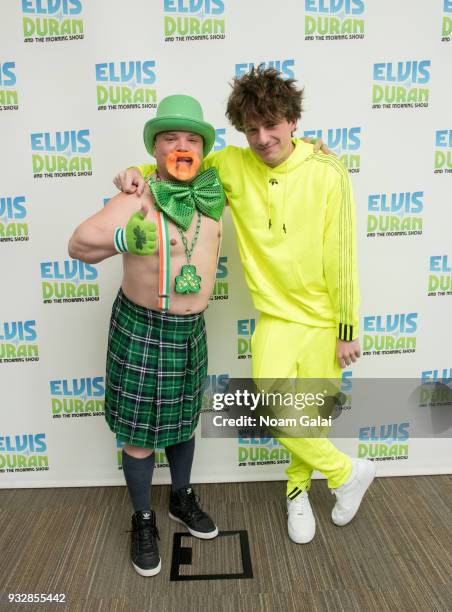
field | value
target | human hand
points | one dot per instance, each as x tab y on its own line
318	145
139	236
347	352
130	181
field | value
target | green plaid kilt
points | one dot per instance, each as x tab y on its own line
156	369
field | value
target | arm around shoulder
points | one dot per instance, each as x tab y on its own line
132	180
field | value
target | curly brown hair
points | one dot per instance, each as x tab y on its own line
262	95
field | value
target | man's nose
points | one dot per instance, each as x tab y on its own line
183	144
262	136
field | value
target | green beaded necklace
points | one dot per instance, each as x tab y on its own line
188	281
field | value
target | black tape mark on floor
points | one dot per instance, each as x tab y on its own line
182	555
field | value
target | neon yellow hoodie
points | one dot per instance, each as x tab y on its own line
296	234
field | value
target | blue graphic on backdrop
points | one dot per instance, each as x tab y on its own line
189	20
285	67
68	281
126	85
395	214
52	20
13	225
18	341
443	151
401	84
334	19
61	154
440	277
390	334
79	397
344	142
23	453
9	98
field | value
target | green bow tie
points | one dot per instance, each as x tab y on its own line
179	200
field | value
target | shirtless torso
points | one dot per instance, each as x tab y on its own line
141	273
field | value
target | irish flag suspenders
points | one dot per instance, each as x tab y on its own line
164	261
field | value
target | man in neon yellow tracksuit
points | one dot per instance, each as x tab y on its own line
294	216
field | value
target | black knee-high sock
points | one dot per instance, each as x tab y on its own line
180	459
138	475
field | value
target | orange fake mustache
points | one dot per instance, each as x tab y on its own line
183	164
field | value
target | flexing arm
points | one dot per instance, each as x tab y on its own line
94	240
91	243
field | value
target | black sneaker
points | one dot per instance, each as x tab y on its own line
144	549
184	508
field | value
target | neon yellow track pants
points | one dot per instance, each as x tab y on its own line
283	349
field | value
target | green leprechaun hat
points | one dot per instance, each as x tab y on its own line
181	113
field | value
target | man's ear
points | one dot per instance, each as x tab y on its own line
154	145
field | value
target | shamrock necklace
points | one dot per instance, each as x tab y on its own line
188	281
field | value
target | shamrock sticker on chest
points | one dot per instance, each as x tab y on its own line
188	281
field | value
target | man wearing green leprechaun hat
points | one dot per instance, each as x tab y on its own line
169	238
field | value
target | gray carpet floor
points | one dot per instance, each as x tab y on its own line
395	555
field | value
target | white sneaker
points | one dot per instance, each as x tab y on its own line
300	520
351	493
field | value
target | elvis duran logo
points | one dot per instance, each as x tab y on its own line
285	67
245	329
443	152
390	334
193	20
61	154
447	21
79	397
52	20
384	442
160	458
395	214
333	19
440	277
12	214
68	281
214	383
9	99
344	142
443	376
125	85
18	341
220	139
346	389
23	453
397	84
221	287
436	388
261	451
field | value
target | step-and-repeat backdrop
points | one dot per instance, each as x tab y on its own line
78	80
